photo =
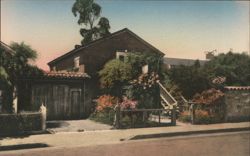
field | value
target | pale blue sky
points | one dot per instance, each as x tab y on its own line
182	29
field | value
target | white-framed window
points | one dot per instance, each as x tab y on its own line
54	68
121	55
145	69
77	62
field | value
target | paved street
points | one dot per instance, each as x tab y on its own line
220	144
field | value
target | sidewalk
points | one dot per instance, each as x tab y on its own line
87	138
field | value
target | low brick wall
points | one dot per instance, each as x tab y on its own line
237	104
19	123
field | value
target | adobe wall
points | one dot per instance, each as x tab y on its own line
237	104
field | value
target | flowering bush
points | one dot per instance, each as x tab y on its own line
128	104
202	117
211	96
145	90
146	80
185	116
105	103
219	80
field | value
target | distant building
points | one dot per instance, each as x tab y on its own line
210	54
173	62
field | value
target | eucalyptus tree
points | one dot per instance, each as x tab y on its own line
89	13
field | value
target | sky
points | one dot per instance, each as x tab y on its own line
180	29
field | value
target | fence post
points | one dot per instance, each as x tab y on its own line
192	109
117	116
159	113
43	111
173	118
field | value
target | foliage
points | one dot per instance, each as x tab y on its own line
128	104
211	103
185	116
136	121
233	66
138	59
114	76
202	117
190	79
21	122
210	97
120	78
103	117
89	14
230	69
15	67
105	103
145	89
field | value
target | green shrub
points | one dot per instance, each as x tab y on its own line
18	123
103	117
202	117
185	117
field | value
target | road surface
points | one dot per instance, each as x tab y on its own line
227	144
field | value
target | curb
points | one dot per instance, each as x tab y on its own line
173	134
25	133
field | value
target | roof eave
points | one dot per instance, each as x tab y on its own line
111	35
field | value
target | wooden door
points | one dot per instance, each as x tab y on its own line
75	103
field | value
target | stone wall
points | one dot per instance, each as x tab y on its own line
237	102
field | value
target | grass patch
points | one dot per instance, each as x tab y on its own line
103	117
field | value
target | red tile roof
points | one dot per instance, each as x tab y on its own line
60	74
237	88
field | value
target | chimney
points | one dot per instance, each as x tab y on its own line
82	68
77	46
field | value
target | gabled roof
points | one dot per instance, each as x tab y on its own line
180	61
106	38
7	48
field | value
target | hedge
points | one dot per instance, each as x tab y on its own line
19	123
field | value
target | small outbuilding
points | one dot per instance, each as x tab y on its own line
66	95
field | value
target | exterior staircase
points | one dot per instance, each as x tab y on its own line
167	100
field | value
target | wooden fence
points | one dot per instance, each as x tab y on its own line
144	114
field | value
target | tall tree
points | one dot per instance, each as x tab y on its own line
15	67
235	67
89	14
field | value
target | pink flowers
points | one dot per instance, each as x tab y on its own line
146	80
219	80
128	104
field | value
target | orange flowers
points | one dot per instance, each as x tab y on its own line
211	96
105	102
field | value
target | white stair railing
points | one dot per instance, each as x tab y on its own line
166	96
